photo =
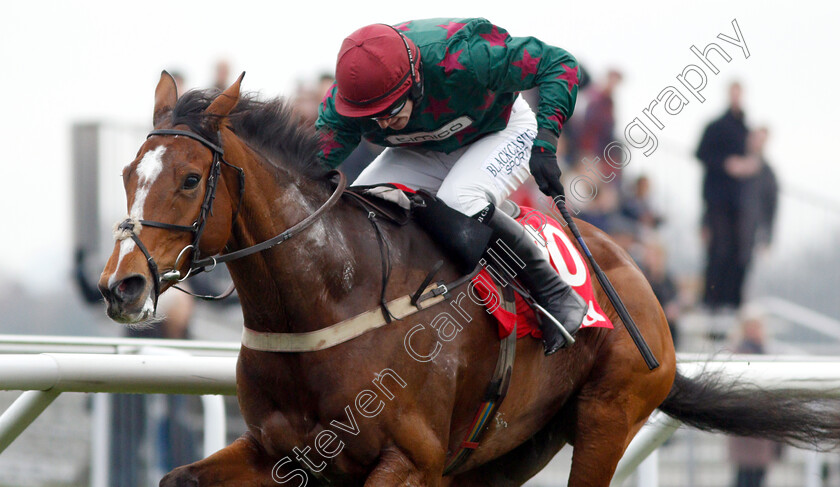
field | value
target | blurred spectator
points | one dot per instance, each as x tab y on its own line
752	456
721	152
655	267
759	197
306	103
221	78
597	130
602	209
637	205
308	97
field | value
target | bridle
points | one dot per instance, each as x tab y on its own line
198	264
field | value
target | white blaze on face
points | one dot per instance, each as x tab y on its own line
148	170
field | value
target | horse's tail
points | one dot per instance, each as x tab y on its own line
713	402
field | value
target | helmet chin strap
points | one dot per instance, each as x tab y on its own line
417	89
416	98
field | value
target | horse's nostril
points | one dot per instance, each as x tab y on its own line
105	292
128	289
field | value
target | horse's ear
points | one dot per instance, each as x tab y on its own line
166	94
225	102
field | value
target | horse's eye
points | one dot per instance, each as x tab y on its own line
191	181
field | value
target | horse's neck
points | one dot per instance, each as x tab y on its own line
296	285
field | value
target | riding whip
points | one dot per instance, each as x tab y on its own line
615	299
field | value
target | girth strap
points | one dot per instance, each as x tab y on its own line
496	390
358	325
338	333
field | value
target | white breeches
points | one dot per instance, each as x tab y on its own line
468	179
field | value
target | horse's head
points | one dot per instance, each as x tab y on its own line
179	206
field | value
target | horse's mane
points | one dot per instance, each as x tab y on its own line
269	126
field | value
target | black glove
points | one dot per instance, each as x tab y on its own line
546	172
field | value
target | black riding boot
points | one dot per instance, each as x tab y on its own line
544	283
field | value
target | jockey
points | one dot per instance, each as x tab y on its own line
443	96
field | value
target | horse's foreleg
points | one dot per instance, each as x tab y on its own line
415	456
243	462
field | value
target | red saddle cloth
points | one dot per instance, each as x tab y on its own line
565	259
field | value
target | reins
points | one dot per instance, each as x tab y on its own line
286	235
198	264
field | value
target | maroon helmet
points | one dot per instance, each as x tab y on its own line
377	66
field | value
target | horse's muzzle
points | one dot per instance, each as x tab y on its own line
127	299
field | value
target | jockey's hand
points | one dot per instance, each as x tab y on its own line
546	172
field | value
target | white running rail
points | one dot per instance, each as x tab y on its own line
767	371
165	369
113	365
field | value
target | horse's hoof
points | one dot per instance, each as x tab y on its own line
180	477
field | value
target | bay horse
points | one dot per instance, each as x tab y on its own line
222	173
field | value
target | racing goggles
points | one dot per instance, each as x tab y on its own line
391	111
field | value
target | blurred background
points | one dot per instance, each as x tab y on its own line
78	80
